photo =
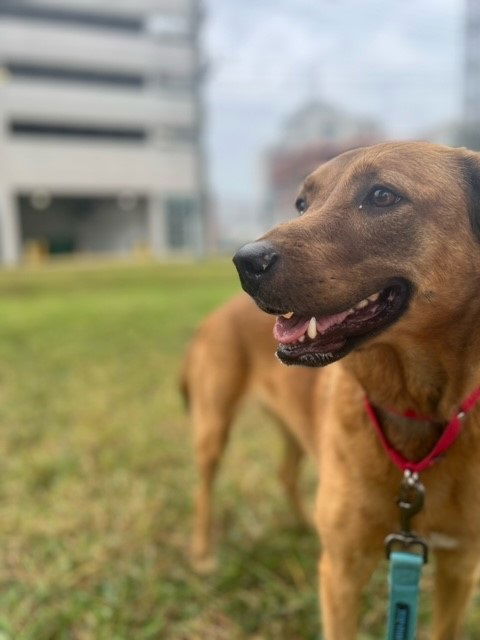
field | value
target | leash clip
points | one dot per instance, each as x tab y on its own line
411	543
411	499
410	502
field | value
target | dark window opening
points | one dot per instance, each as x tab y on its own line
40	129
62	74
181	223
31	70
73	16
73	223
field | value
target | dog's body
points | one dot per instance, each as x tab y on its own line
233	354
396	227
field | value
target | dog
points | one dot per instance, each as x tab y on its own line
379	278
231	355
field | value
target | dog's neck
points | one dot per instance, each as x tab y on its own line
428	375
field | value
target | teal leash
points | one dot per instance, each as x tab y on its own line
404	579
407	553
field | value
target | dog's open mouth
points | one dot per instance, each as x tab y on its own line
318	341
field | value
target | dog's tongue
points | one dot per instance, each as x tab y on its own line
291	329
288	330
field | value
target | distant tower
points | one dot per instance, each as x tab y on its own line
472	63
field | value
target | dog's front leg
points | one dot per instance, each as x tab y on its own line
456	575
344	573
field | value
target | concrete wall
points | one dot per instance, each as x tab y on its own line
97	49
68	102
93	168
10	244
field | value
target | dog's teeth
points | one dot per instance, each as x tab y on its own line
302	338
288	315
362	304
374	297
312	328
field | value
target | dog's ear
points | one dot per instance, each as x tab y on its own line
471	173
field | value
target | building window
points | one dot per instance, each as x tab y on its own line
65	74
59	130
181	223
159	80
72	16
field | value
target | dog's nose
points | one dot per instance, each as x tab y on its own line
253	260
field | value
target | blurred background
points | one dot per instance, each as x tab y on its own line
181	126
141	142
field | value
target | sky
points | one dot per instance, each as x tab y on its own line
399	61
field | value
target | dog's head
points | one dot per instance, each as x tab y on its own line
387	241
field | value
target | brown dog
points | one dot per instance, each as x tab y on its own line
233	354
386	258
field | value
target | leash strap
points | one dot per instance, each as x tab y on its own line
404	581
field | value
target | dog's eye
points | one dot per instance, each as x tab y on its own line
301	205
382	197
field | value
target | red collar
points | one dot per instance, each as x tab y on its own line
446	440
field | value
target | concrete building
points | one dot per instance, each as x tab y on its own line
319	121
314	134
100	126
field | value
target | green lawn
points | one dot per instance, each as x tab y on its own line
97	474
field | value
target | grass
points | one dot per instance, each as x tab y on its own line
97	474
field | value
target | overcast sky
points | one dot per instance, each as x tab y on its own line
398	60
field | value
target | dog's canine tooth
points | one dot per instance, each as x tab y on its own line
362	304
373	297
312	328
288	315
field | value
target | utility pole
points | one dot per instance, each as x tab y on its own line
204	202
471	74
